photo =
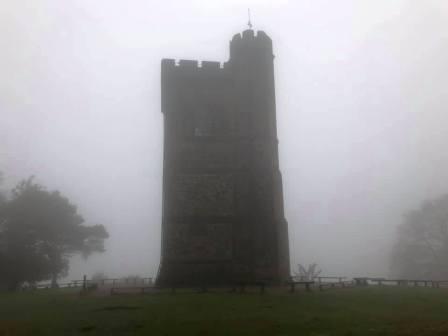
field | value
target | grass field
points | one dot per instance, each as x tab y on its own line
354	311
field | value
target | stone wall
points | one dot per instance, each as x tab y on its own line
223	215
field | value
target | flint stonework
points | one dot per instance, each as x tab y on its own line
223	220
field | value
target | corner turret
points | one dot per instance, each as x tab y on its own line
249	44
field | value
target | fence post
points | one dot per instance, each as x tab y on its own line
84	282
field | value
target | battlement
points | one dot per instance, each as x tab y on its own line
250	35
250	42
192	65
176	73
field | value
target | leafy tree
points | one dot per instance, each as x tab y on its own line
40	231
421	248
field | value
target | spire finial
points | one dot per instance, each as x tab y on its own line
249	23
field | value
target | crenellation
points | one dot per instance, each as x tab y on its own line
236	37
192	65
188	64
248	34
168	63
211	65
261	35
250	41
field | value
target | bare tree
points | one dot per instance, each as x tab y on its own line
307	273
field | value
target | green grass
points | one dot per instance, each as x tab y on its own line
357	311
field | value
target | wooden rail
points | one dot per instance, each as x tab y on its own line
338	278
144	285
244	284
139	282
365	281
116	281
130	290
339	284
307	285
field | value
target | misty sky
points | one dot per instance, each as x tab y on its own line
361	107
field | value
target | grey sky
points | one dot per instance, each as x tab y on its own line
361	105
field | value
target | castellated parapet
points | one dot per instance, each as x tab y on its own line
223	218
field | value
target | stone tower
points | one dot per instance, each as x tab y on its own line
223	218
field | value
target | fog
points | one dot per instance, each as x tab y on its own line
361	94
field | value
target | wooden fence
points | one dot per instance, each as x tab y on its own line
85	283
321	283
